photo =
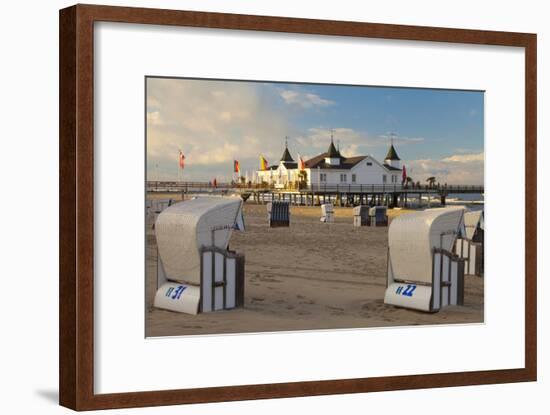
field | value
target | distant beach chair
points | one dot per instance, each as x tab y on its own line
378	216
278	214
423	273
154	207
360	216
470	245
196	272
327	213
160	204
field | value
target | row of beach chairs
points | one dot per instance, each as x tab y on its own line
278	214
429	253
370	216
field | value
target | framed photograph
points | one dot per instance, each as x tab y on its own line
255	207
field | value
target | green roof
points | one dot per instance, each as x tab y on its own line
392	154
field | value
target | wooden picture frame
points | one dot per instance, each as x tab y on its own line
76	179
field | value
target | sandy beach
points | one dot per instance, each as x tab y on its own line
310	275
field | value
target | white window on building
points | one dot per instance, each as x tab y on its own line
343	178
353	178
369	163
323	177
384	178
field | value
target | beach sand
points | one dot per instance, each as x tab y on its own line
310	275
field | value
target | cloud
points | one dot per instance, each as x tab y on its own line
304	99
319	138
400	139
352	142
465	169
466	158
461	150
153	118
212	122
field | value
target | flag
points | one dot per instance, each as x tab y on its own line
181	160
404	174
263	163
236	166
301	163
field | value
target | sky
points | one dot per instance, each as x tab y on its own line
435	132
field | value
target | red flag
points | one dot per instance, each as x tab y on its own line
404	173
181	160
301	163
236	166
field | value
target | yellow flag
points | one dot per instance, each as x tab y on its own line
263	163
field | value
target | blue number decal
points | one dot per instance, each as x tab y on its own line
407	291
175	294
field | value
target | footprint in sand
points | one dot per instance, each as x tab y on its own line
335	311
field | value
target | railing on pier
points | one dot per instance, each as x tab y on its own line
198	187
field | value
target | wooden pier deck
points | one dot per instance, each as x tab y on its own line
341	194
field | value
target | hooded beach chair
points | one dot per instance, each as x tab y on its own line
154	207
378	216
423	273
360	216
327	213
278	214
196	272
470	245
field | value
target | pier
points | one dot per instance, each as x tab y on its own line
307	195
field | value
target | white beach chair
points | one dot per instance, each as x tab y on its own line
360	216
378	216
195	270
154	207
470	245
423	273
327	213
